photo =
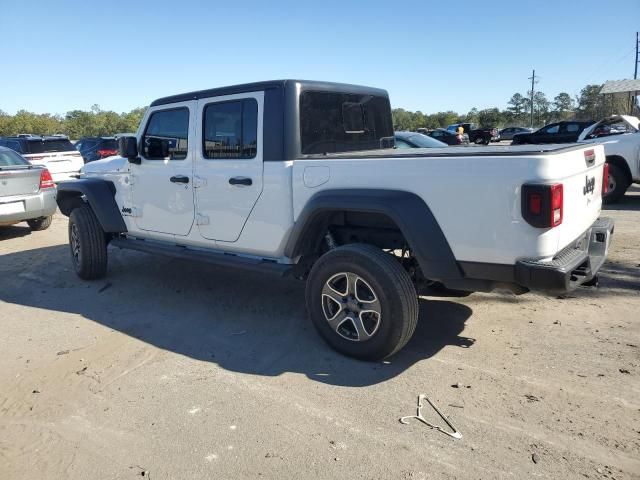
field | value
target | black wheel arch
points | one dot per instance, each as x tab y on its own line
621	163
99	194
406	210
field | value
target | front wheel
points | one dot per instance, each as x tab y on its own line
617	185
362	301
87	243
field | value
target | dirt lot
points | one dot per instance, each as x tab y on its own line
171	370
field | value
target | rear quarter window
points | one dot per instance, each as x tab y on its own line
334	122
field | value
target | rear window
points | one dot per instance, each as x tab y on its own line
9	158
46	146
333	122
109	144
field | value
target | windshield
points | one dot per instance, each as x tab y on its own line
49	145
422	141
9	158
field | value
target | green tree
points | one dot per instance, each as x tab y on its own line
541	106
489	117
563	106
590	103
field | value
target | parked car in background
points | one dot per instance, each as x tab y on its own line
27	193
476	134
559	132
450	138
620	135
509	132
95	148
57	154
416	140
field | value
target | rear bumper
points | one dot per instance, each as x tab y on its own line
573	266
41	204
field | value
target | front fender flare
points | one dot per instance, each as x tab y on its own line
99	194
409	212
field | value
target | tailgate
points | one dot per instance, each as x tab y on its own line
582	192
63	162
19	181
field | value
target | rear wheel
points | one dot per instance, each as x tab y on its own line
87	243
617	186
41	223
362	302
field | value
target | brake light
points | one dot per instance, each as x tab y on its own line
542	205
605	179
104	152
45	179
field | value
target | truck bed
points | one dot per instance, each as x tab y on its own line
472	151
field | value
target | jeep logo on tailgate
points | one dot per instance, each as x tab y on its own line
590	185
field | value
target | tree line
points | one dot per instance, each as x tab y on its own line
75	124
588	105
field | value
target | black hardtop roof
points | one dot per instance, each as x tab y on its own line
257	86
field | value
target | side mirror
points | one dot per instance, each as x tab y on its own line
128	148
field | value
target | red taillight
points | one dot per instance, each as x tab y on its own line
556	204
45	179
103	152
605	179
535	204
542	205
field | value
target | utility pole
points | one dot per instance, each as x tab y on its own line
533	82
635	73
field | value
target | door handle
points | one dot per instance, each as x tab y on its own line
240	181
179	179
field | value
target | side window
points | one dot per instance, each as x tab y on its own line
402	144
572	127
167	135
230	129
552	129
436	134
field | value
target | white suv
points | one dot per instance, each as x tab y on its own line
56	153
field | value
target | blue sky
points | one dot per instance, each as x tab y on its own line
430	56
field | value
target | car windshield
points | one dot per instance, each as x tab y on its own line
9	158
425	142
49	145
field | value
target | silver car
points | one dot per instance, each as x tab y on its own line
27	192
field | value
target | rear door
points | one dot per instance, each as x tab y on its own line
228	164
162	184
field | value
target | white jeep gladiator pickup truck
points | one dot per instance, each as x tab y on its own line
301	178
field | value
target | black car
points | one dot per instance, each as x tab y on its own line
95	148
416	140
560	132
450	138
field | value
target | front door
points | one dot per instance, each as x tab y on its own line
228	165
162	185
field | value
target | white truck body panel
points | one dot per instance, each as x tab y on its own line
625	145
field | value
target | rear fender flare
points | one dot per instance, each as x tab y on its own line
99	194
409	212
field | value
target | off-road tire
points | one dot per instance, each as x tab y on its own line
90	259
42	223
393	288
621	184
